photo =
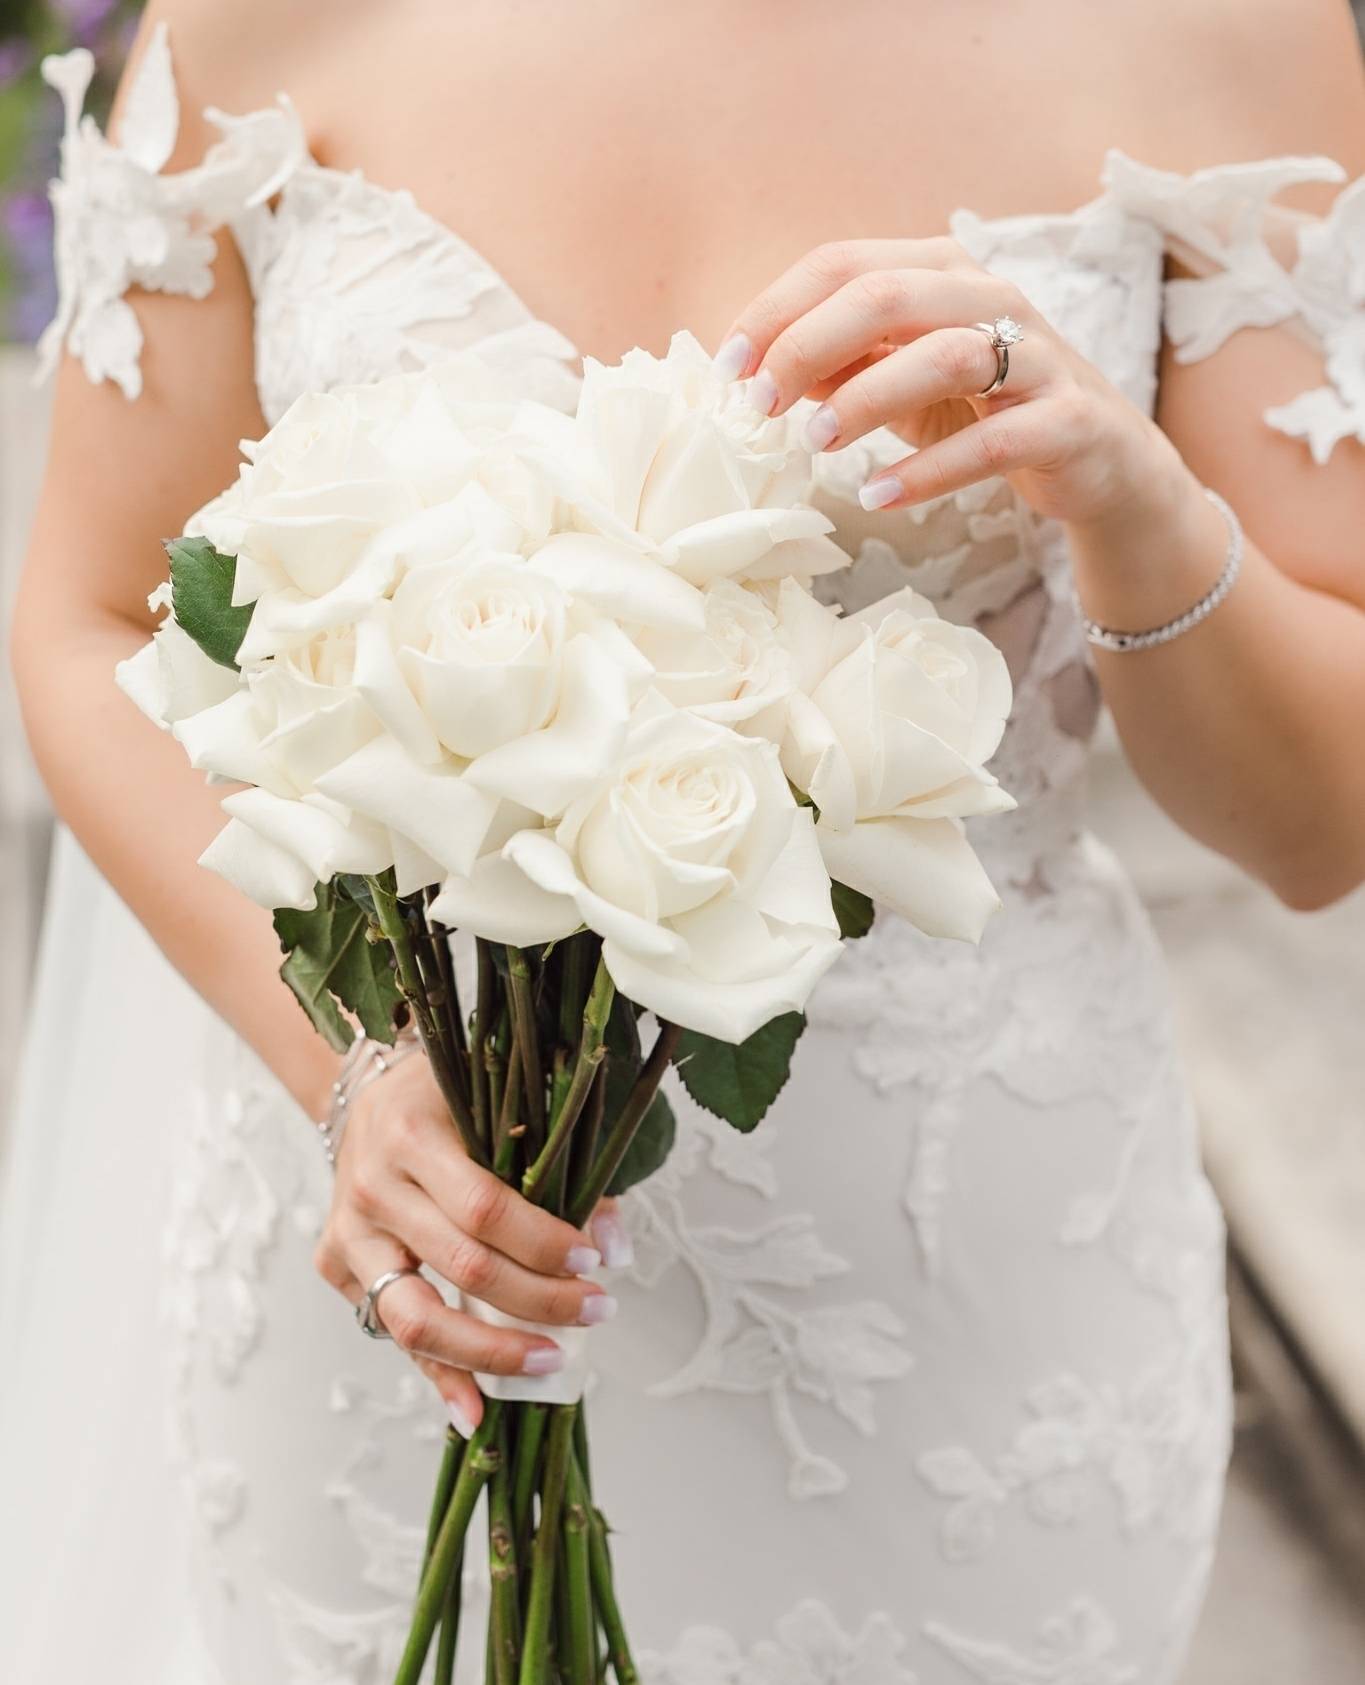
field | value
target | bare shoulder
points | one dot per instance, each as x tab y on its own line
1231	80
238	56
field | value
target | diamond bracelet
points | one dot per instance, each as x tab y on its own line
1126	643
365	1060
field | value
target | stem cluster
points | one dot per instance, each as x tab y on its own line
525	1079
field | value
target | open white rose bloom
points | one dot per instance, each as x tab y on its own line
570	670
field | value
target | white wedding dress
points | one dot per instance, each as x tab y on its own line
927	1380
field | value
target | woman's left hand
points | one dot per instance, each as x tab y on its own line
880	331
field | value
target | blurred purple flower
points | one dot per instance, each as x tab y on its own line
85	18
15	58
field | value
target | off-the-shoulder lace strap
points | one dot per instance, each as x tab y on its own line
1221	225
121	222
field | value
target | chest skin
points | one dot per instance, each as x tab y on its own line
634	168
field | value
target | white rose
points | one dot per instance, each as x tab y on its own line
170	677
491	661
694	864
894	714
673	459
730	670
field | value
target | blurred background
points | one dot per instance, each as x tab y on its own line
1271	1007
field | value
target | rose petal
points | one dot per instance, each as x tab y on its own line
923	869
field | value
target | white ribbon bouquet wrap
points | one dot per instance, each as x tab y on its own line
559	684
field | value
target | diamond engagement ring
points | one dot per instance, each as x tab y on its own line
367	1311
1003	332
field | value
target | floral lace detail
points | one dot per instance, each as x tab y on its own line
809	1647
121	222
1076	1647
354	282
1219	219
1150	1446
756	1341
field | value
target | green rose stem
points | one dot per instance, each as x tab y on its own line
479	1031
527	1042
591	1051
394	926
504	1614
448	1637
480	1462
584	1147
532	1420
622	1132
445	1485
535	1655
509	1128
579	1654
604	1591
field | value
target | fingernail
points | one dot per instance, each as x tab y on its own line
763	392
733	357
613	1237
581	1259
597	1307
821	428
459	1421
542	1360
876	494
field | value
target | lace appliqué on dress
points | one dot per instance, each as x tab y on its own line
1076	1647
121	222
1220	219
809	1647
764	1332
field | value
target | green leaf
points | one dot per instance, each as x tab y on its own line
854	911
740	1081
652	1143
331	962
201	595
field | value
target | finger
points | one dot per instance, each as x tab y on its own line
492	1276
423	1325
947	363
818	274
1000	444
612	1236
459	1393
489	1210
884	304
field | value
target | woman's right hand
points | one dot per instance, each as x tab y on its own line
407	1193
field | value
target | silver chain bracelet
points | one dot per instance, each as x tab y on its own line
1125	643
365	1060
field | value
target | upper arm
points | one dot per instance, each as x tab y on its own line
124	472
1285	79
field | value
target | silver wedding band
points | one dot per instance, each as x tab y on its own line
367	1311
1003	332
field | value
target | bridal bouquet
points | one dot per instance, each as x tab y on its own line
560	684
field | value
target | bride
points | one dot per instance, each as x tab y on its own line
960	1412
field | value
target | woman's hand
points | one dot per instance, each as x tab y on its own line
880	331
406	1193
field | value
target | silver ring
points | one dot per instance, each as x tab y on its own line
367	1311
1003	332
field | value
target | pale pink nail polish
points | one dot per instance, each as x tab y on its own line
732	359
542	1360
580	1259
876	494
821	429
613	1237
597	1307
458	1420
763	392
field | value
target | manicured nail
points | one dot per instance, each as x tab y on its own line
459	1421
763	392
542	1360
613	1237
597	1307
733	357
821	428
581	1259
876	494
